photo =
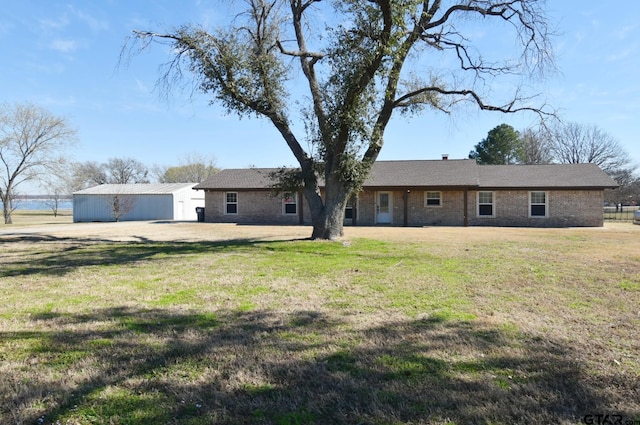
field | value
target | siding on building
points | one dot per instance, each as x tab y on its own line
145	207
147	202
185	203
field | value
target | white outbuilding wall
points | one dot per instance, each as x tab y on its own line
185	203
143	202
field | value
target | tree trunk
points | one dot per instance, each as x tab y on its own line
6	208
7	216
328	224
327	216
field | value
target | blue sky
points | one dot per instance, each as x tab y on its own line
64	55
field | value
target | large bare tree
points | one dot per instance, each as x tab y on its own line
574	143
360	62
32	142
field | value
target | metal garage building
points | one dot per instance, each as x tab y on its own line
131	202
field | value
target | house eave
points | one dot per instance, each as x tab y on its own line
544	188
236	189
419	187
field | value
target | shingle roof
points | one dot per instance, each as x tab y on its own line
439	173
136	189
239	178
564	176
422	173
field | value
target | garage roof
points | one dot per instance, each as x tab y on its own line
136	189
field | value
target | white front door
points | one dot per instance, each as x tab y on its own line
384	208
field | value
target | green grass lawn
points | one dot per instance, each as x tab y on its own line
538	327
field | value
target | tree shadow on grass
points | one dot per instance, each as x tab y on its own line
135	366
58	256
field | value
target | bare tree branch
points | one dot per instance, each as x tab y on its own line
313	55
509	107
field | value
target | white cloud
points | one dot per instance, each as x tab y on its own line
625	31
94	23
622	54
54	24
44	67
580	36
142	88
209	18
64	46
58	101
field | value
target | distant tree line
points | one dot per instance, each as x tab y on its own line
563	143
192	168
114	171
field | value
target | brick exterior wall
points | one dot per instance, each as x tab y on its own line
565	208
449	213
366	209
254	207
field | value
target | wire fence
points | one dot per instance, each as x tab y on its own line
619	213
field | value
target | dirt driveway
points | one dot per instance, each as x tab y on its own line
192	231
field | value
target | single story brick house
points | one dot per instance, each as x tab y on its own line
427	193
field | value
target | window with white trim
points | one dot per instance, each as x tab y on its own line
538	204
433	199
290	203
486	206
231	203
